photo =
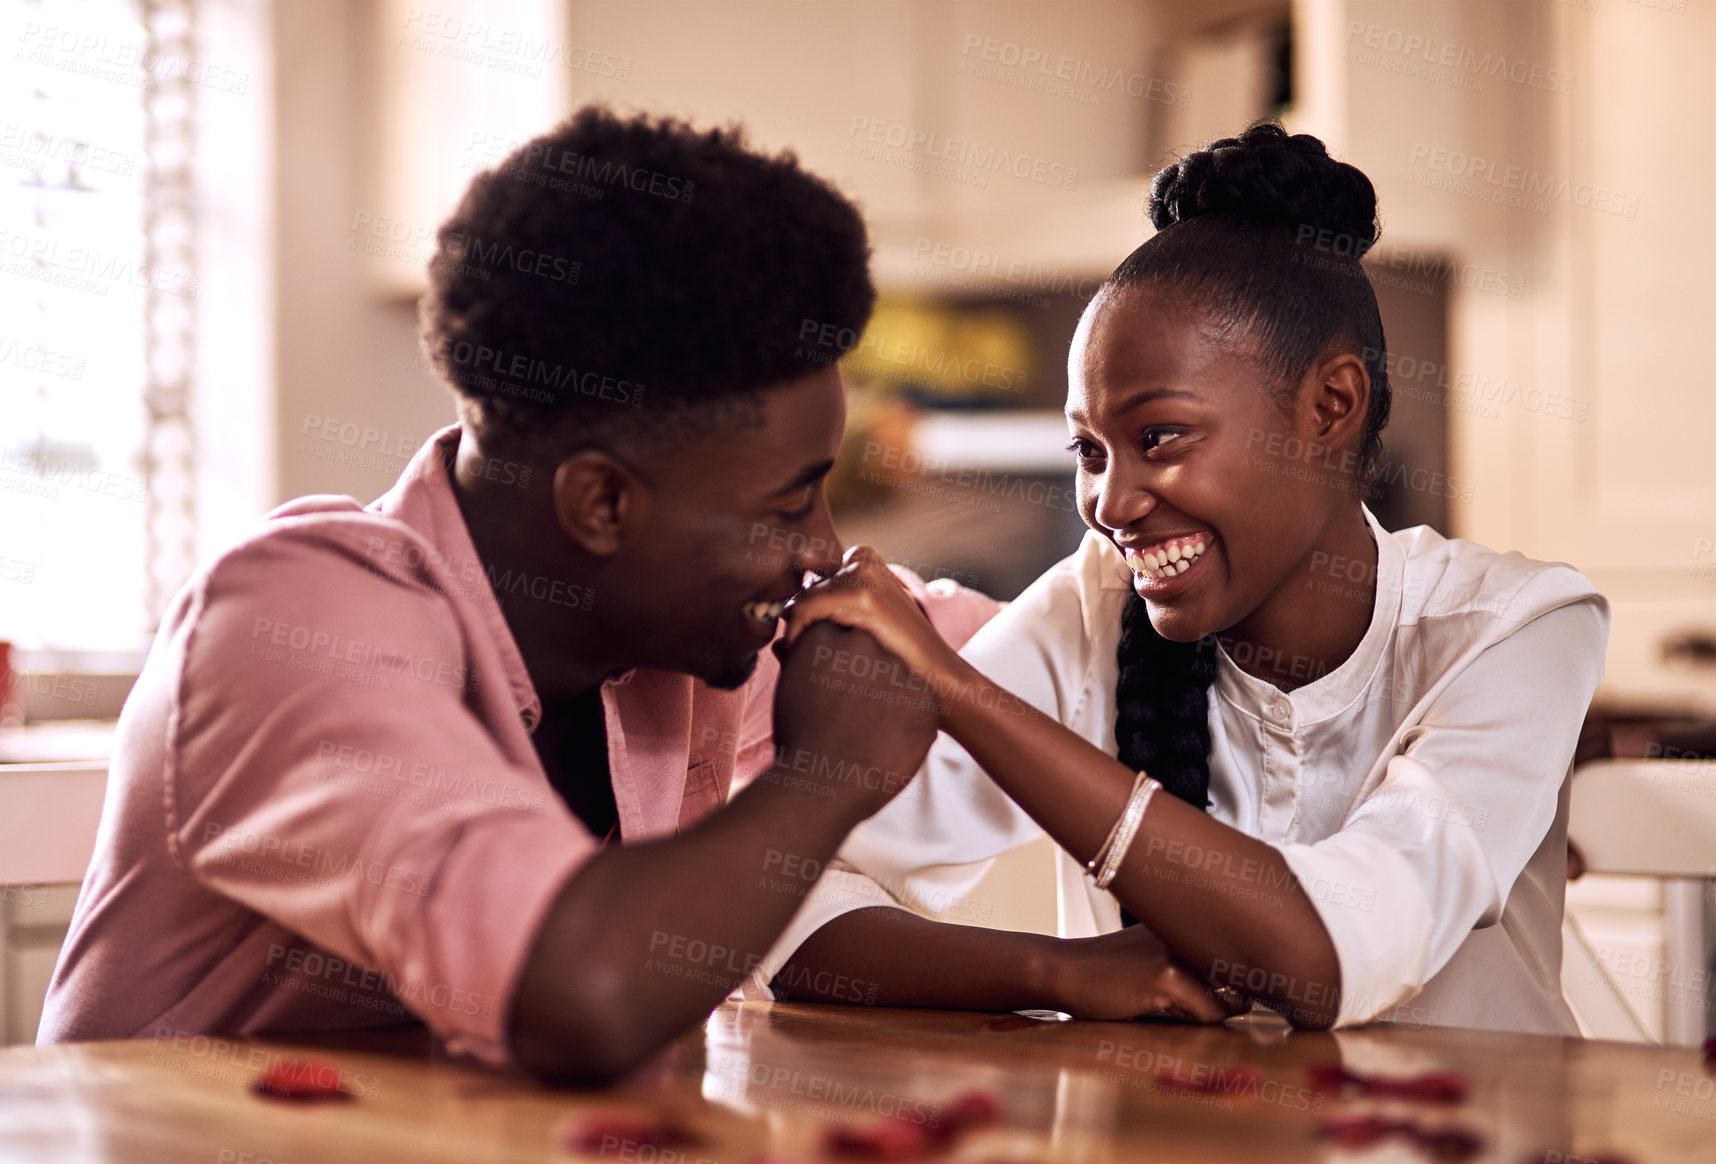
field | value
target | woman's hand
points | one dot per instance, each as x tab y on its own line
864	595
1127	974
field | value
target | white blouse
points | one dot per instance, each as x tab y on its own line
1417	792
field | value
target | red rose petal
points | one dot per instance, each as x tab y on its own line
1357	1132
901	1139
885	1140
970	1109
598	1133
302	1079
1432	1087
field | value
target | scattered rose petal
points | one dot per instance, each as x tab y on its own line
884	1140
1558	1156
302	1079
970	1109
598	1134
1357	1132
899	1139
1433	1087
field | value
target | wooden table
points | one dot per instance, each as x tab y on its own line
765	1081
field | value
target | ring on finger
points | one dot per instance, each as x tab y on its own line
1229	996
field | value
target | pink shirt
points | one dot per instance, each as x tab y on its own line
324	809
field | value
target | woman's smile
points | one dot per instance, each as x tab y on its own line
1162	560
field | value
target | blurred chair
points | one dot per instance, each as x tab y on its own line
1655	819
48	819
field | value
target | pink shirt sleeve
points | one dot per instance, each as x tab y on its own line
957	611
349	763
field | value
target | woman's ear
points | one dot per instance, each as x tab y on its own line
1338	401
598	501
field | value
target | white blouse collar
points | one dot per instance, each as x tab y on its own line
1339	689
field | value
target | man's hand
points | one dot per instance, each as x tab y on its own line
588	1007
845	705
1127	974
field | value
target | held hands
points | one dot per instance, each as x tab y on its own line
1128	974
849	715
864	595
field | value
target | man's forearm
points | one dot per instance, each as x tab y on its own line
647	938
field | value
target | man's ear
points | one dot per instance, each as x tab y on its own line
1338	400
598	501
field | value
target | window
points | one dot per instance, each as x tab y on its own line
97	318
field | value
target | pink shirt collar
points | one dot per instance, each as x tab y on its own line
423	499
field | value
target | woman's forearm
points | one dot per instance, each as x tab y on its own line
905	960
1224	902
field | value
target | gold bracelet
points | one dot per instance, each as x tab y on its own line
1130	819
1095	863
1099	861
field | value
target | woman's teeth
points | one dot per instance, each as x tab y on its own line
1169	559
764	611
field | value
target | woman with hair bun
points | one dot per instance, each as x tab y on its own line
1321	763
